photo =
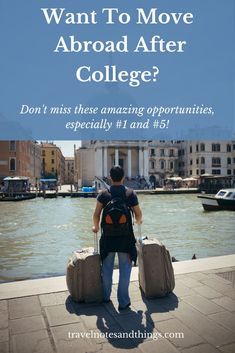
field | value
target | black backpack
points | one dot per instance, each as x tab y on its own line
117	216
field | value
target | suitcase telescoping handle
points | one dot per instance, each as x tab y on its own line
140	240
96	250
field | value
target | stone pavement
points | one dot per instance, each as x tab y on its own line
202	308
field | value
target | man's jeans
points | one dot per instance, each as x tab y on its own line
125	266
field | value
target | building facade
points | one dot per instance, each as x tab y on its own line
210	157
69	170
20	158
95	158
233	157
84	164
53	162
164	159
154	160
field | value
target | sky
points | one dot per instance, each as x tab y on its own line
67	147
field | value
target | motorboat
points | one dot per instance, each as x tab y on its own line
223	200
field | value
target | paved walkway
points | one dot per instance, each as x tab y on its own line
202	308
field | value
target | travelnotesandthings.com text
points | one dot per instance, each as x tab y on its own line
131	334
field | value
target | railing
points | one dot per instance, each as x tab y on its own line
106	185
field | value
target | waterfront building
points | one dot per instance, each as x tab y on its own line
69	170
53	162
233	157
165	160
210	157
153	161
95	158
20	158
84	158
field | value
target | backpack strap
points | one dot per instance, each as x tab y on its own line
128	193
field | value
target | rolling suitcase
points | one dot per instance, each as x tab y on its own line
156	274
83	275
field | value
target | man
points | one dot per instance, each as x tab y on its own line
117	234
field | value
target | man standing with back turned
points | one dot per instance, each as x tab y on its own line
117	205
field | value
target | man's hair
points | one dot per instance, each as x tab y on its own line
116	173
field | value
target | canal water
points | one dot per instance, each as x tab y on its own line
37	236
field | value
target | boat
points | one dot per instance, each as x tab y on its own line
19	197
16	189
48	188
48	194
48	184
223	200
